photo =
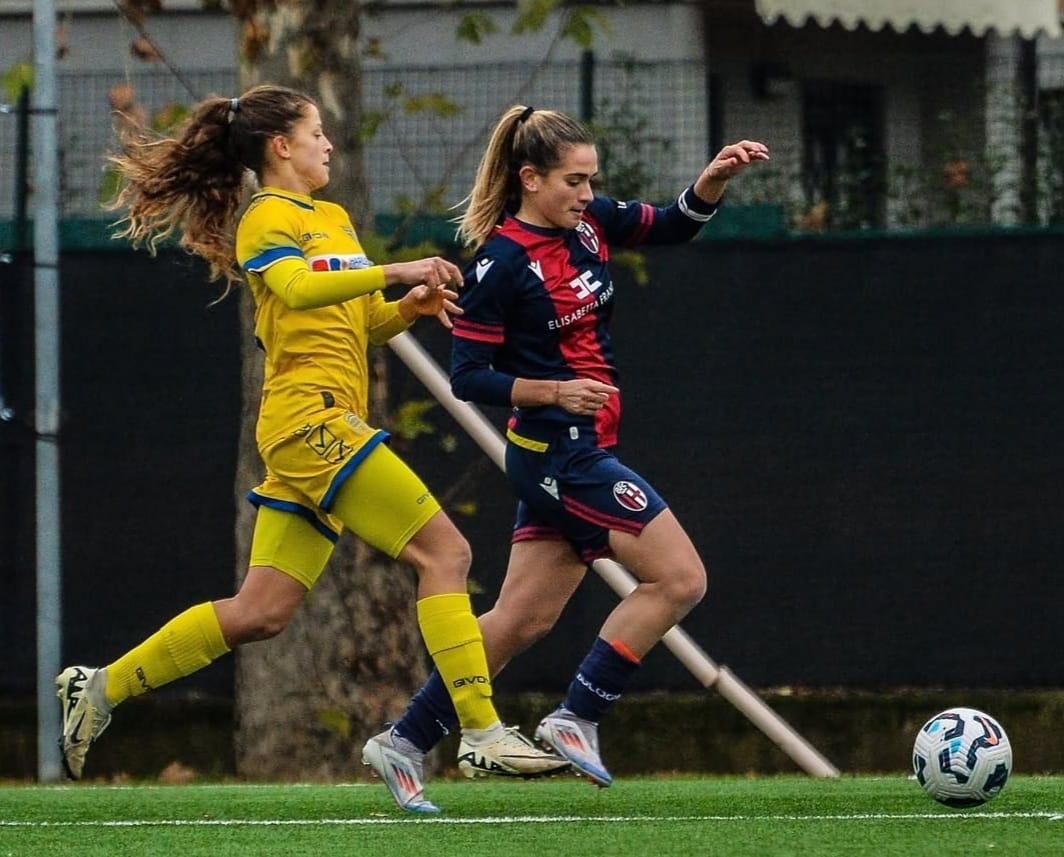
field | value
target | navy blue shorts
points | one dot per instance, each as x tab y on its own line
569	488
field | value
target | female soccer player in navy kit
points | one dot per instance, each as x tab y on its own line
534	335
318	306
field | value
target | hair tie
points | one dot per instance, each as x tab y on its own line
234	106
524	116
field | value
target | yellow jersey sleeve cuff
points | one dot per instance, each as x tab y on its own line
386	322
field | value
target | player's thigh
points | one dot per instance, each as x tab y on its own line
662	551
541	577
291	541
384	502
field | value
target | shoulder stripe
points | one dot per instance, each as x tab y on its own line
267	258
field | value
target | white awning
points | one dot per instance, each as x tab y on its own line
1027	17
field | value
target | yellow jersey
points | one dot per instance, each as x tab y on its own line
318	306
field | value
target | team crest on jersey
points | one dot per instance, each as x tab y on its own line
588	237
342	262
630	496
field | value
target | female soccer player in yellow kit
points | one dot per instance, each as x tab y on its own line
318	305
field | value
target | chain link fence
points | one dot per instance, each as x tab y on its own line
434	124
658	108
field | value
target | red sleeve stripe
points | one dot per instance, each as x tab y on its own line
646	220
492	333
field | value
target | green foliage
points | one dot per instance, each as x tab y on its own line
435	103
532	15
16	80
579	25
168	117
163	122
372	120
466	508
409	420
630	152
432	201
335	721
630	155
110	184
475	26
383	248
635	262
1051	180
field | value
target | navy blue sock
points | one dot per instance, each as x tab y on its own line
600	680
429	716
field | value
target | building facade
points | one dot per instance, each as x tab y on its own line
900	126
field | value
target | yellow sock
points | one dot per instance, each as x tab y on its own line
186	643
454	640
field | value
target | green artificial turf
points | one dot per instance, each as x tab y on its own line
658	817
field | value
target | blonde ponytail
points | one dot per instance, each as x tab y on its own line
521	136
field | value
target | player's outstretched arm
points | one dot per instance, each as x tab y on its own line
728	163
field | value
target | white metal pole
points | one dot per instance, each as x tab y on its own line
44	126
719	678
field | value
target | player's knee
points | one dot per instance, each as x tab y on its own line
687	585
451	559
460	555
533	628
439	552
265	623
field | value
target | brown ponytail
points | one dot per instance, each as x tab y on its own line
193	183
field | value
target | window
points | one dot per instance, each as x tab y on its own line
843	166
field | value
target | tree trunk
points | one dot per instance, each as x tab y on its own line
352	655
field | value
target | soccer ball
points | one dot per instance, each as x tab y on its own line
962	757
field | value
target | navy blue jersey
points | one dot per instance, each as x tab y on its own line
538	303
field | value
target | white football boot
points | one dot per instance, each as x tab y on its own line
577	740
85	711
402	767
503	751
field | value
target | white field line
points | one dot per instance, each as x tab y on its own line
533	819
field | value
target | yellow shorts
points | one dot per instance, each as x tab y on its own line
307	463
378	498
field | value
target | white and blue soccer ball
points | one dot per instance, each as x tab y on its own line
962	757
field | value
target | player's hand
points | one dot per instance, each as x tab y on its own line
434	271
583	396
734	158
425	300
